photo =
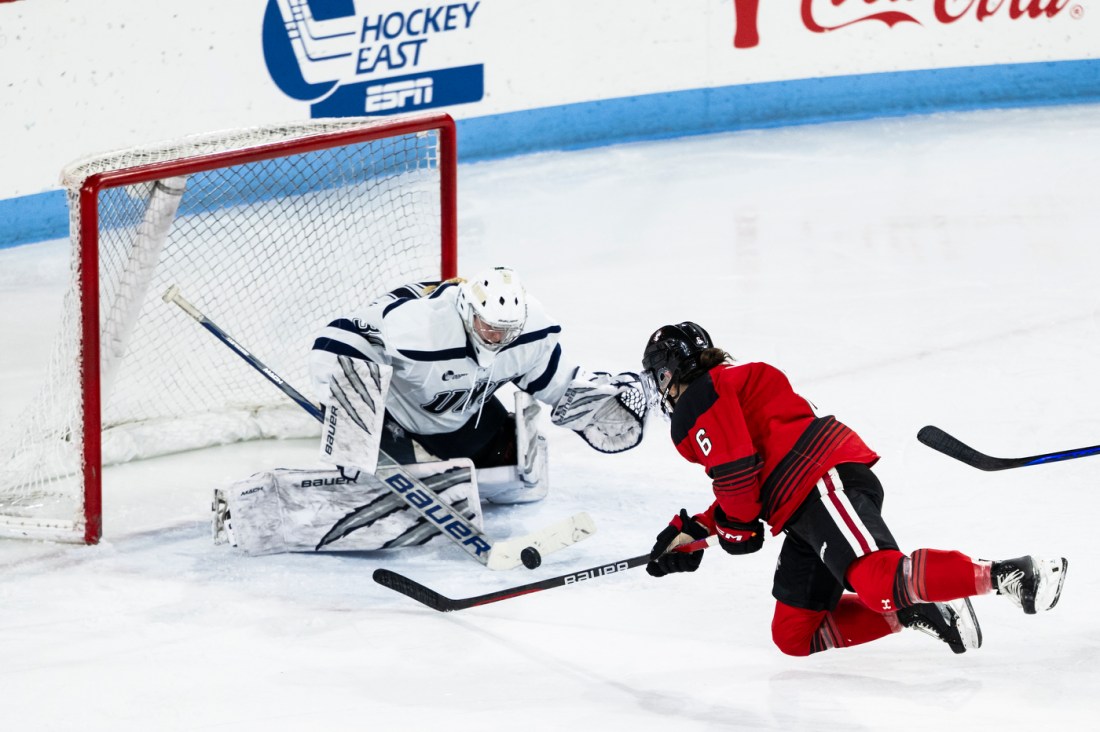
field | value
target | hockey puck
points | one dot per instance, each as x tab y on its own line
530	557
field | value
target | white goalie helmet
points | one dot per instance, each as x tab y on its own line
493	308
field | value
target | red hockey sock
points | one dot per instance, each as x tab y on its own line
873	577
799	632
932	575
854	623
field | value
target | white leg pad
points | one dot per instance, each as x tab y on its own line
322	510
529	479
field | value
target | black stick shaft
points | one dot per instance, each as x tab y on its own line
437	601
939	440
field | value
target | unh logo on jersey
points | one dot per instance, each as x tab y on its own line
462	400
373	59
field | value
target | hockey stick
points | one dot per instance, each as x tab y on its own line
436	601
494	554
939	440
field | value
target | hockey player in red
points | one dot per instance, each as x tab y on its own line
772	459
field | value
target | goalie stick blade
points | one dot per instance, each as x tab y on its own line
940	441
436	601
506	552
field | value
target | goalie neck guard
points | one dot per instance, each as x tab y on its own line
671	357
493	307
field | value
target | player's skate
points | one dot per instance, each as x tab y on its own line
1029	582
223	529
952	622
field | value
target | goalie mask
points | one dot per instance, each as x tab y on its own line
671	357
493	308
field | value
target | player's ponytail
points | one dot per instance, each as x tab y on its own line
711	357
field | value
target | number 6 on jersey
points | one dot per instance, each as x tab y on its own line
704	441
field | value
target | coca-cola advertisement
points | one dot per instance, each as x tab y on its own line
824	16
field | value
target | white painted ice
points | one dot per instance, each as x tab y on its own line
903	272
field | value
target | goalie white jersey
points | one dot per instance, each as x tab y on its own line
437	385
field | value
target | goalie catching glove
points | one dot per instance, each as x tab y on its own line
607	411
683	529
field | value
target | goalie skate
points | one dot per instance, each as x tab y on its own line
952	622
1029	582
222	528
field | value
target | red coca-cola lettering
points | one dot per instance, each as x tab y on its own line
985	8
747	34
889	17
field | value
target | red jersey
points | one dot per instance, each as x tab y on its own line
760	442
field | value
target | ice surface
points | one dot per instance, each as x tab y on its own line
928	270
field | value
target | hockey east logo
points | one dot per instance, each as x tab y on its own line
351	58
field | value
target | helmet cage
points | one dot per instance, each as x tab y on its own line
493	336
659	382
672	357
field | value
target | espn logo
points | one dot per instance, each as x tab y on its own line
399	94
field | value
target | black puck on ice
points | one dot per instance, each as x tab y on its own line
530	557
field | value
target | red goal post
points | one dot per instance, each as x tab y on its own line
275	230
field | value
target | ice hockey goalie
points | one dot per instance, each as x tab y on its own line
415	377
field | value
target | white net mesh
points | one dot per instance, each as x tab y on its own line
270	250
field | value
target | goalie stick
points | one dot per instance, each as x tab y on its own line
939	440
494	554
436	601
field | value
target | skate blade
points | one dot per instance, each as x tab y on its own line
966	623
1053	575
964	632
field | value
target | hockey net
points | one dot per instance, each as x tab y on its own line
274	230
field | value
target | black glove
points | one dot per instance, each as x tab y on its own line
738	537
681	530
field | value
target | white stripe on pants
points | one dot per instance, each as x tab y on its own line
844	514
